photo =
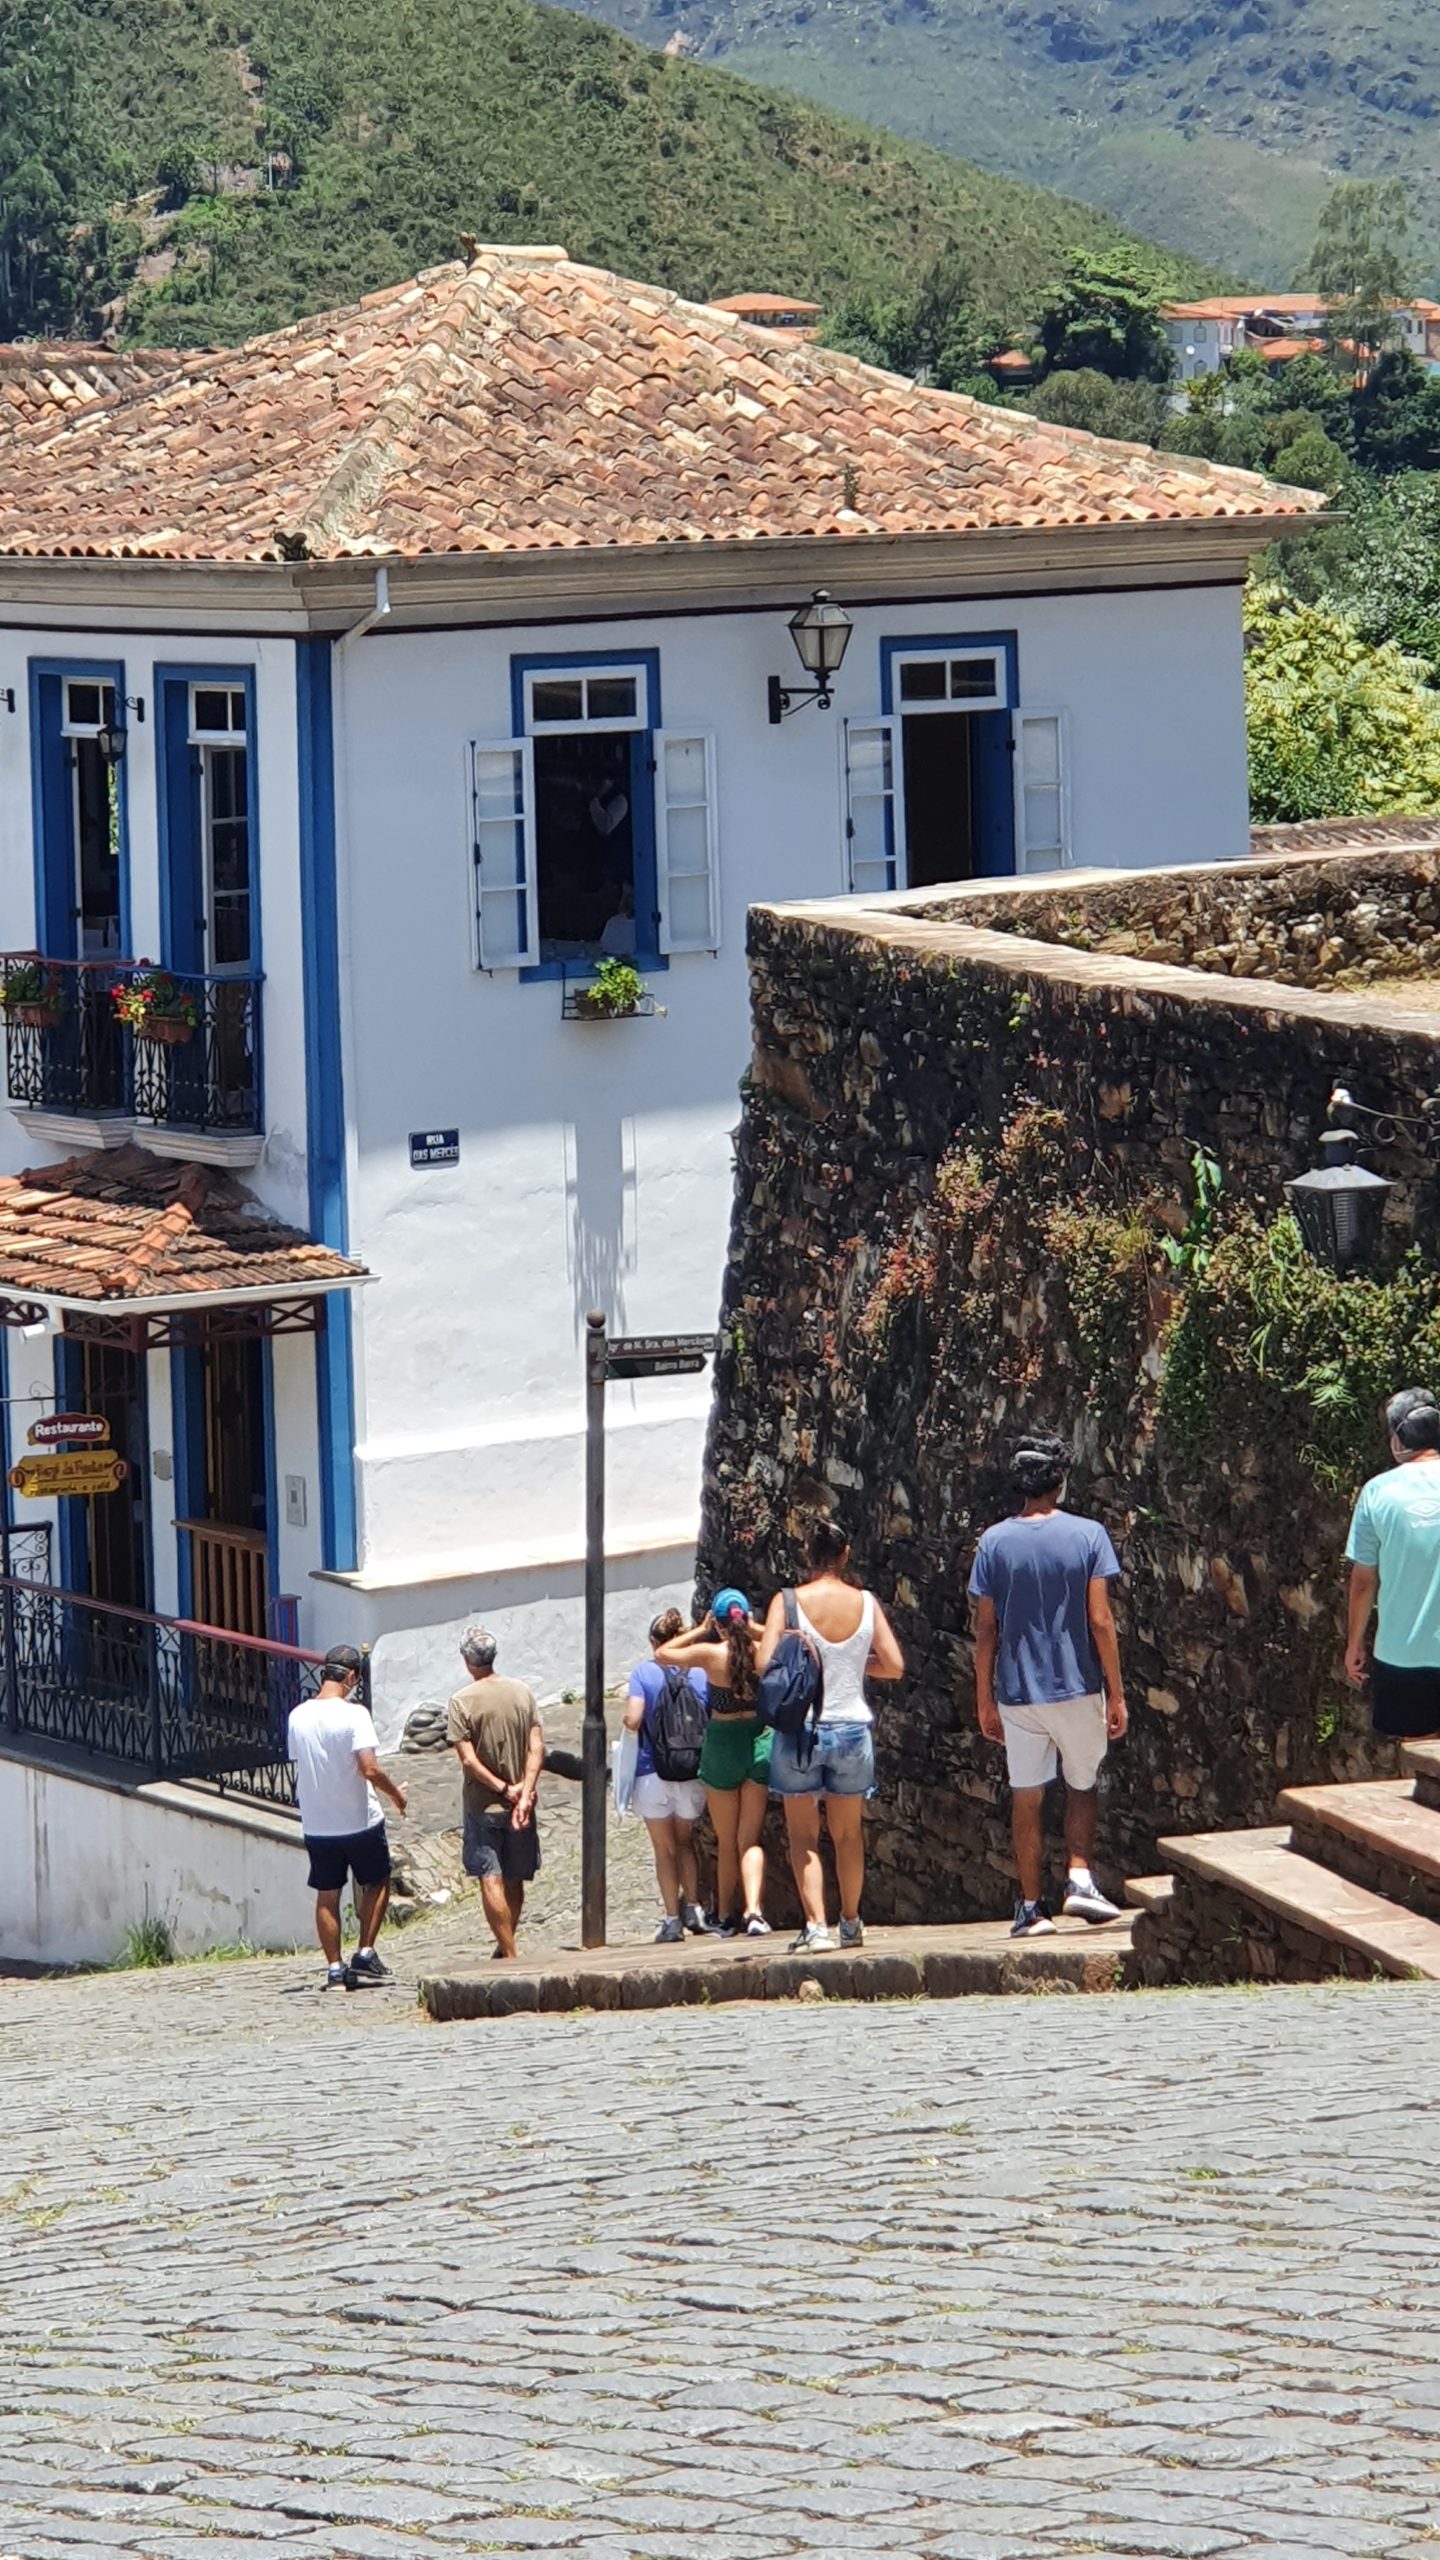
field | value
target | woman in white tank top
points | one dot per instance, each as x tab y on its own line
855	1643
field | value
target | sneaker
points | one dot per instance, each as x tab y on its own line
1086	1902
810	1940
671	1932
334	1976
725	1929
1032	1920
755	1925
363	1970
852	1933
700	1924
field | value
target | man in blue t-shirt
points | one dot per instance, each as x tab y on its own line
1047	1673
1394	1555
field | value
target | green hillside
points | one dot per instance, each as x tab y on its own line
267	160
1221	126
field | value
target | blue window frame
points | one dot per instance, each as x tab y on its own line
80	810
589	720
209	820
953	785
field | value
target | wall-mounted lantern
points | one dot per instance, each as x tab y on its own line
1339	1206
821	633
111	742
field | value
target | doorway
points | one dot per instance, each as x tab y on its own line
938	767
105	1537
223	1457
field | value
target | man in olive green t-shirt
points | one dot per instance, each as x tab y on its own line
495	1727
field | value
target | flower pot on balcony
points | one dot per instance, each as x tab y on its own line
35	1017
592	1008
168	1029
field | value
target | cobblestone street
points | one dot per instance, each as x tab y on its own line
289	2274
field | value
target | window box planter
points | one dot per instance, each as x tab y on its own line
616	993
39	1016
169	1029
157	1006
32	993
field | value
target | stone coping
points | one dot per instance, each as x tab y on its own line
894	1964
889	925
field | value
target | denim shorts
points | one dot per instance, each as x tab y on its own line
842	1763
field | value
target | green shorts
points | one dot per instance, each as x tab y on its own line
737	1752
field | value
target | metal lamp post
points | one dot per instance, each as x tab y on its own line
1340	1205
821	633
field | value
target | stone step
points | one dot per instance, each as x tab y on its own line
1262	1868
1150	1893
1421	1761
894	1964
1374	1833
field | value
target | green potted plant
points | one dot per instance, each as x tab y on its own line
156	1006
32	993
616	990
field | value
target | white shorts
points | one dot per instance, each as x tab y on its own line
654	1798
1069	1735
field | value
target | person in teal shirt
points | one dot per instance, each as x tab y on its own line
1394	1554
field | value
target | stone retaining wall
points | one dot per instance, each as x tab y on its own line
1208	1935
896	1053
1343	920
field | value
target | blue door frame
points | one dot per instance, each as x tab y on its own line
994	739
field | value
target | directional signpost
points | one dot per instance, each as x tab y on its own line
635	1355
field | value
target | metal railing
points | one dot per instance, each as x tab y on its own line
164	1695
69	1051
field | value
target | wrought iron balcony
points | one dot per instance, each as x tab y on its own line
125	1690
67	1048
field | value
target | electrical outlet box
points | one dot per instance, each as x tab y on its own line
295	1513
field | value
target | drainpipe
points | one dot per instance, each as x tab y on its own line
378	612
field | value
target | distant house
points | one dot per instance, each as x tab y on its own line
1277	327
378	679
1013	369
773	311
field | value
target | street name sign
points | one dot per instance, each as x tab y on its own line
434	1146
69	1471
70	1431
658	1355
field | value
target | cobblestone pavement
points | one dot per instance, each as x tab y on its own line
289	2274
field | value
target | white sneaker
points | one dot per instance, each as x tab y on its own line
757	1926
1085	1901
670	1932
810	1940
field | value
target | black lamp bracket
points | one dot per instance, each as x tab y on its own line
786	699
1382	1128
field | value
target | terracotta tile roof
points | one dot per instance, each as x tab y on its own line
523	402
747	306
124	1224
49	379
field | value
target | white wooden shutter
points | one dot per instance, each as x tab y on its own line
686	866
874	805
502	833
1042	814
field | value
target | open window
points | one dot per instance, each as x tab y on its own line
87	708
593	828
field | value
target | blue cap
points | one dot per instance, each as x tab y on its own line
726	1603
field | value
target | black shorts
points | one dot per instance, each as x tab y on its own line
334	1855
495	1848
1404	1703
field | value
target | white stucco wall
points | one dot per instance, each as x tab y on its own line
595	1167
80	1864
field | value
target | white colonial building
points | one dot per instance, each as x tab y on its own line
376	680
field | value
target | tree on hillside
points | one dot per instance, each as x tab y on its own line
936	330
1103	318
42	165
1130	411
1358	264
1396	416
1337	727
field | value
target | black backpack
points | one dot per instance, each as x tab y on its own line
791	1696
675	1729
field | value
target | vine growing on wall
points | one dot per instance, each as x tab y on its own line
1227	1333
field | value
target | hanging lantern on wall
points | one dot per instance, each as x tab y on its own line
1340	1205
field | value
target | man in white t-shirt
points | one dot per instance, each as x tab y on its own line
333	1746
